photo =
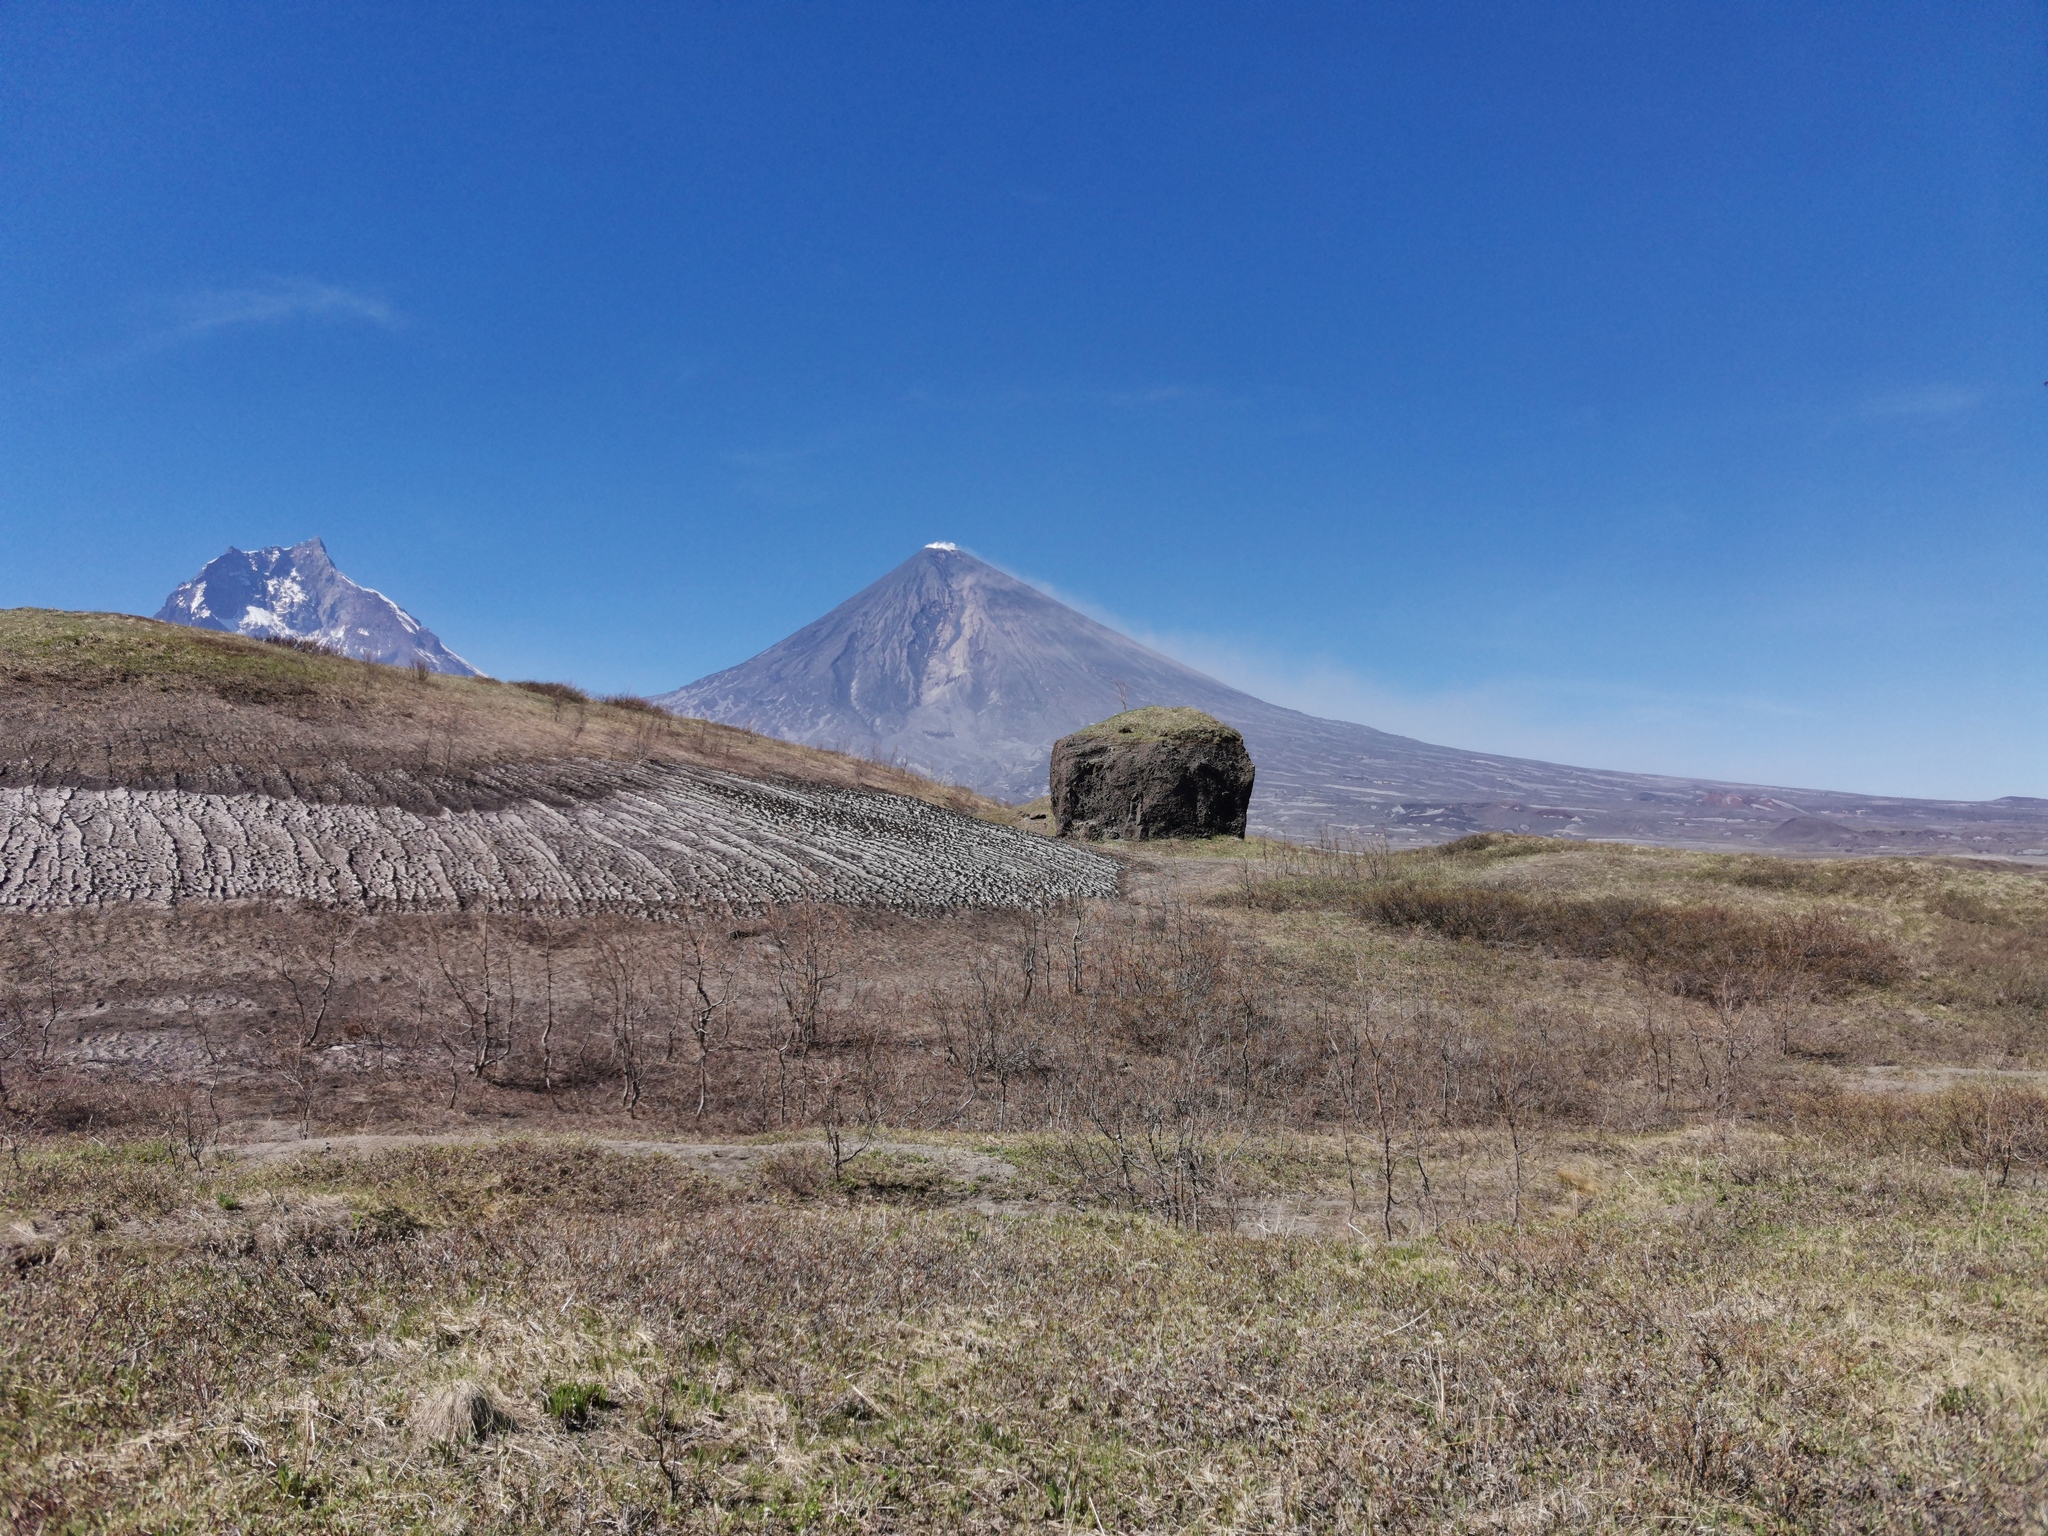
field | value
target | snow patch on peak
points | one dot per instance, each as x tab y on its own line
295	592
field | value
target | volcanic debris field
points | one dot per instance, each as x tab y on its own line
149	763
656	836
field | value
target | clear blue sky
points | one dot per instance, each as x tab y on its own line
1651	386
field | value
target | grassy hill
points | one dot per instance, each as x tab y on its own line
99	700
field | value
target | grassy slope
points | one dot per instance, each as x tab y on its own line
96	698
1719	1333
1970	937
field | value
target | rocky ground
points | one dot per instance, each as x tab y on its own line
568	839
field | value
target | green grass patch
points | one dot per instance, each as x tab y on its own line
573	1404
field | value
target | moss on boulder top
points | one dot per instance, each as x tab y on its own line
1161	722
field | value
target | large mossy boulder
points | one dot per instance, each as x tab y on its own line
1153	772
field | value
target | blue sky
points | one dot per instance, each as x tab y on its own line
1656	387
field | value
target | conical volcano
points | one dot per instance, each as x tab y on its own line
952	667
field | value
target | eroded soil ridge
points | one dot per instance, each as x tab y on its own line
657	836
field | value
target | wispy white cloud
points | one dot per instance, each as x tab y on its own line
279	302
166	323
276	301
1154	394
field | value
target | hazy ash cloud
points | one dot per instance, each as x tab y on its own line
1744	738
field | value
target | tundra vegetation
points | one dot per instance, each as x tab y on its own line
1512	1185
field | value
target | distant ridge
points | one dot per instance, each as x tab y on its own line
962	671
295	592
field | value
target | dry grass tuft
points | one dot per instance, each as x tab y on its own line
23	1247
461	1413
298	643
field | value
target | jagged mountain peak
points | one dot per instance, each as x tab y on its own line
294	590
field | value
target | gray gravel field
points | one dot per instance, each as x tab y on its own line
566	838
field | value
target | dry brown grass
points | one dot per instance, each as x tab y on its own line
1700	950
1921	956
1733	1333
458	1414
1158	1019
1999	1129
1518	1185
99	700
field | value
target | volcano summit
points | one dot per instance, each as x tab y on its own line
963	672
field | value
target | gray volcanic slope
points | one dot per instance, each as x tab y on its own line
297	593
952	667
565	838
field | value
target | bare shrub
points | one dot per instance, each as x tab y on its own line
808	969
544	935
625	985
1149	1137
707	1004
1404	1076
561	693
998	1031
1149	1056
285	1063
1704	951
804	1172
1996	1129
310	968
1370	1094
816	986
482	978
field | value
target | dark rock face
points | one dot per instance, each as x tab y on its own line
1152	772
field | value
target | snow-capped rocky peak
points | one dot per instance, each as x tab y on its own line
296	592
